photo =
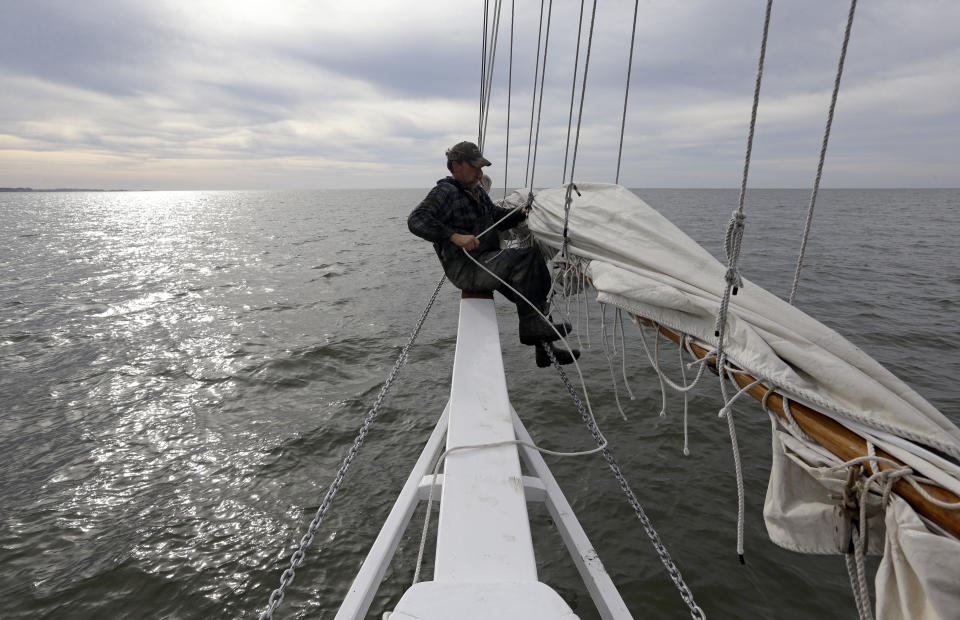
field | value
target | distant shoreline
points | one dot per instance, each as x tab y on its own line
64	189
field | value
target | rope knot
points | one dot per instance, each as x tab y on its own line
733	277
731	245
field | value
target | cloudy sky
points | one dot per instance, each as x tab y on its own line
244	94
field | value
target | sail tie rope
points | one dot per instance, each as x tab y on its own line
623	358
276	597
854	502
686	387
823	152
662	552
609	355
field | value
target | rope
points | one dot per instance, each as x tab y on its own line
623	358
609	356
276	597
686	400
626	94
823	151
727	412
573	91
662	552
737	221
732	244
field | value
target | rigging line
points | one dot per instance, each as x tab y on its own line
483	71
495	35
533	102
737	221
823	151
732	243
543	77
506	155
626	94
756	104
573	91
583	90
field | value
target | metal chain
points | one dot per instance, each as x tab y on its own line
658	546
276	597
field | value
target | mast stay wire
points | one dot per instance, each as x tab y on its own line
823	152
583	91
573	91
487	83
506	155
543	77
483	71
626	93
533	101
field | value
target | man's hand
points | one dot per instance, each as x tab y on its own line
467	242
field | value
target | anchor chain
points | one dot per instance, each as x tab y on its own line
276	597
685	593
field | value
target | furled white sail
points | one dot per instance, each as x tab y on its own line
637	260
641	262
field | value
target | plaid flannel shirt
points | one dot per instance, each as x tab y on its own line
451	208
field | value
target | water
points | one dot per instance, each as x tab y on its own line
183	372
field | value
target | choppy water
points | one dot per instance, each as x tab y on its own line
182	374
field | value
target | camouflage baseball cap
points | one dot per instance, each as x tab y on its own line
468	152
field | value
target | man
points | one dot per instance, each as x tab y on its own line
452	216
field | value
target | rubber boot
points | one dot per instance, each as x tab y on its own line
534	329
563	356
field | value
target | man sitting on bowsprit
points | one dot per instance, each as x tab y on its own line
453	214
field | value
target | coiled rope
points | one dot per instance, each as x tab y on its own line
276	597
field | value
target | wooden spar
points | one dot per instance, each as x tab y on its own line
839	440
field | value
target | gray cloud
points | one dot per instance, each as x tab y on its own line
176	94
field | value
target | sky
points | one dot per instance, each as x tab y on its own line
291	94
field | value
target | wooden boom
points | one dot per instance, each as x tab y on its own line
841	441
